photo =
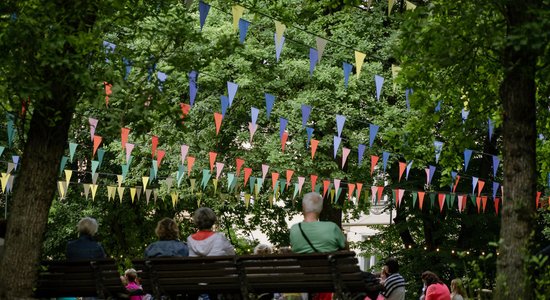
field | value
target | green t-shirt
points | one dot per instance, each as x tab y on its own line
325	237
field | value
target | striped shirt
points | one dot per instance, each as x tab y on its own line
395	287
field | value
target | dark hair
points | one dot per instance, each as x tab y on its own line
167	229
392	264
430	278
204	218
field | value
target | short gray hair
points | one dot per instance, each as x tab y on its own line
87	226
312	202
204	218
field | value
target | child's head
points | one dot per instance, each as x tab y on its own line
131	275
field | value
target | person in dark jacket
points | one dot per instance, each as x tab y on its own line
85	247
168	244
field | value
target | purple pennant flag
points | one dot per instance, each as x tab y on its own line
467	156
408	92
438	106
269	101
254	113
309	131
347	71
203	12
313	56
432	172
495	188
232	91
93	126
453	176
438	146
225	104
306	110
361	152
373	130
379	81
282	126
491	129
279	48
337	141
243	29
465	113
385	157
474	183
162	78
192	86
15	160
409	165
496	162
340	120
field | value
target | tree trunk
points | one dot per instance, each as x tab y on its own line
517	92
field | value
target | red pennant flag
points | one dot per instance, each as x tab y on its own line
155	142
326	184
484	201
212	160
314	144
313	181
421	199
537	200
190	163
351	188
274	178
284	138
441	198
464	201
480	185
359	187
247	173
456	183
497	200
380	190
218	120
478	203
97	142
373	162
402	167
108	92
460	203
185	108
124	132
240	163
160	156
288	177
373	192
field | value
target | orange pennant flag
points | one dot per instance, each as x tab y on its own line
351	188
441	198
212	160
284	138
456	183
359	187
274	178
288	177
421	199
160	156
108	92
239	162
402	167
218	120
185	108
478	203
497	201
124	132
380	190
155	143
464	201
480	185
190	163
97	142
484	201
373	162
537	200
314	144
313	181
326	184
247	173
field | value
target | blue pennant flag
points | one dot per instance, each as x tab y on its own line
408	92
193	76
225	104
306	111
243	29
340	120
203	12
127	67
231	91
496	162
360	153
279	47
254	114
491	128
269	101
309	132
438	106
347	71
373	130
337	141
379	81
438	147
495	188
282	126
385	157
467	156
313	57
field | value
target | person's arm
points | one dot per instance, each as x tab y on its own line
341	239
226	246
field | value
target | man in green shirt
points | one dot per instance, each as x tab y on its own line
313	235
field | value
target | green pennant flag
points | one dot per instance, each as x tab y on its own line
282	183
432	199
11	129
473	199
152	173
230	177
155	167
205	178
64	160
256	192
192	181
95	165
100	155
129	162
179	174
415	197
72	150
252	183
259	183
338	194
318	188
234	183
295	191
450	198
394	197
125	169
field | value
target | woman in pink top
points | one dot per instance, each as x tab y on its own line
435	288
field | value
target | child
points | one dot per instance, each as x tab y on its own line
133	285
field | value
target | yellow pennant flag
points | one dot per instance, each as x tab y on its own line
237	11
359	59
120	178
111	190
4	180
390	6
145	181
86	190
215	181
256	191
93	187
120	193
279	31
133	193
61	187
68	175
246	200
271	200
193	181
174	198
410	5
332	195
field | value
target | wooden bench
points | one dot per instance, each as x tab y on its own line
97	278
250	275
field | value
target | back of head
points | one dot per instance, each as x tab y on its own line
457	287
262	249
167	229
131	275
204	218
312	203
87	226
392	264
430	278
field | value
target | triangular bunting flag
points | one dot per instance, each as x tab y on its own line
313	181
373	162
359	59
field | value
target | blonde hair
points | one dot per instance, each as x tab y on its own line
458	288
131	275
312	202
87	226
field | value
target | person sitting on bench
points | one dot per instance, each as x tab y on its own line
168	244
206	242
85	247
